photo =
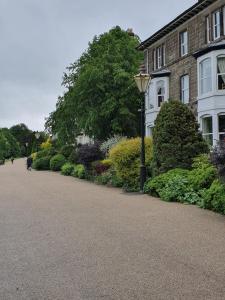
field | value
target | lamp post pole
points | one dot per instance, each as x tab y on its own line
142	80
143	166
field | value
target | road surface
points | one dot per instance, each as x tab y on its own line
66	239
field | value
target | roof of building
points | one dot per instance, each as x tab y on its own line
186	15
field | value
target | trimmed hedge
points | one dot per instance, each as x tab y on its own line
79	171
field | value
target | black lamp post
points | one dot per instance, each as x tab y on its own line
37	136
142	80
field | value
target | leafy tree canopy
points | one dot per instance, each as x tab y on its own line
101	98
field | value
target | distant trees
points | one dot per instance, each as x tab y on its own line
8	144
101	98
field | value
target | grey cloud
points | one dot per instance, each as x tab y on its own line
38	39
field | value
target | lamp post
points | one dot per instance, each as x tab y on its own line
26	144
37	136
142	80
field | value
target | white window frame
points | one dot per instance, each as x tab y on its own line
185	89
184	43
154	59
201	78
164	54
216	25
208	136
160	84
159	57
208	29
219	74
220	132
147	61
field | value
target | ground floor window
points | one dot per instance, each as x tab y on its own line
207	129
221	120
221	72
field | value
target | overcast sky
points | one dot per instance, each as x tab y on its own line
39	38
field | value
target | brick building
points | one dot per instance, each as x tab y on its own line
186	60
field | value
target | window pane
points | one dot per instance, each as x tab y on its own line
222	123
221	72
207	125
205	76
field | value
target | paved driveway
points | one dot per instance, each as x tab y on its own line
65	239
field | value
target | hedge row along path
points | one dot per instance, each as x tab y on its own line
61	238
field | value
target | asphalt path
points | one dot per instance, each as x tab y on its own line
68	239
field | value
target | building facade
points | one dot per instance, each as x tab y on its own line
186	60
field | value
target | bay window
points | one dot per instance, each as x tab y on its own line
221	72
184	81
216	25
207	129
160	92
205	76
221	120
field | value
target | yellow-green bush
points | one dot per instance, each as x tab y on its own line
107	162
46	145
125	158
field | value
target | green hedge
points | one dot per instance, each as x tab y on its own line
79	171
42	163
67	169
57	162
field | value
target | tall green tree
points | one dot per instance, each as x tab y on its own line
101	97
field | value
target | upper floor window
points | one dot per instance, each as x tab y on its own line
160	92
216	25
208	29
221	72
183	43
159	57
146	60
205	77
185	89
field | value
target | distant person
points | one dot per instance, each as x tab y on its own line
29	163
12	160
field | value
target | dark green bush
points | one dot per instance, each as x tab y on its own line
73	158
67	150
214	197
79	171
56	162
42	163
109	178
67	169
176	138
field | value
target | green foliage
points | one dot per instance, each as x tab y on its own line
73	158
214	197
125	158
42	163
57	162
67	169
47	152
202	177
89	153
102	99
9	146
109	178
66	150
176	137
155	185
110	143
79	171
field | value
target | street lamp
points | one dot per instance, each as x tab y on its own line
142	80
37	136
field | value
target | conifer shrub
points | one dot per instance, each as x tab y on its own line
57	161
89	153
176	138
125	158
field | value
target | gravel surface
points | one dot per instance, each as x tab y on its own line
66	239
